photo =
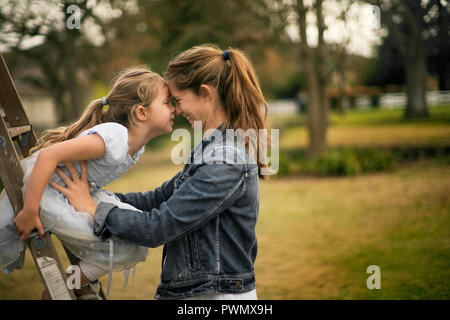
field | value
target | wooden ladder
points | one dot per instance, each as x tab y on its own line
17	137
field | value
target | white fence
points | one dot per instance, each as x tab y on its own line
282	106
386	101
396	100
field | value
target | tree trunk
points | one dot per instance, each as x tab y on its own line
74	104
314	65
416	73
314	119
70	75
444	76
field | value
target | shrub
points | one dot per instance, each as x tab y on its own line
339	161
284	163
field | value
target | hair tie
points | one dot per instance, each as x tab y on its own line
104	102
225	55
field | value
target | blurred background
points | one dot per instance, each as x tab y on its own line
360	93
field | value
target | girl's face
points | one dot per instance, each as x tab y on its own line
161	112
188	104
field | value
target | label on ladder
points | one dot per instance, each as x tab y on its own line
53	278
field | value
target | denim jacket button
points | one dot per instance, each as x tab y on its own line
238	284
92	184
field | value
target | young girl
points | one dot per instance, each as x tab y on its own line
111	135
206	215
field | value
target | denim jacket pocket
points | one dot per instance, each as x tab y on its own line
171	270
231	285
191	251
179	181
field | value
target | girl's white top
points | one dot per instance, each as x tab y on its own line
73	228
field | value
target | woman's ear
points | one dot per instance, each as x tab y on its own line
205	91
141	113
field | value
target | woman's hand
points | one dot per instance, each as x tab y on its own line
26	221
77	190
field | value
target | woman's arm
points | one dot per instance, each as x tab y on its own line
146	201
211	190
84	148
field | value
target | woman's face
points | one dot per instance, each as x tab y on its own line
188	104
161	112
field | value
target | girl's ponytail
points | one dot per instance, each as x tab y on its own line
90	117
132	87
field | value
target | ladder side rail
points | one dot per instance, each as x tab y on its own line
43	251
13	108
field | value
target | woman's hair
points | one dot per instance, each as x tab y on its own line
233	75
131	87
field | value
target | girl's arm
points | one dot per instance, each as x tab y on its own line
84	148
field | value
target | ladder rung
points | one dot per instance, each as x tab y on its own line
15	131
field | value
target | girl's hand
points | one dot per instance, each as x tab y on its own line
26	221
77	190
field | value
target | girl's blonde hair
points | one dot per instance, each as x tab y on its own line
131	87
233	75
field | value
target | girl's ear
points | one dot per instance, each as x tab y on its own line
141	113
205	91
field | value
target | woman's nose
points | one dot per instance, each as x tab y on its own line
177	110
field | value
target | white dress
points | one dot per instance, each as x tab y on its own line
74	228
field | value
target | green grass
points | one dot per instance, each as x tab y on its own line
369	128
317	236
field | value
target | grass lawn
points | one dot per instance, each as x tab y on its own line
369	128
317	236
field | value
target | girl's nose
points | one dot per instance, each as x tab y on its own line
177	110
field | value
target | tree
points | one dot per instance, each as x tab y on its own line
314	63
389	67
439	45
178	25
319	59
57	37
411	23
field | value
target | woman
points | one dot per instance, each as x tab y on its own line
206	215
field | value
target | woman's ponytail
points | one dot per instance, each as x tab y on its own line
237	85
245	105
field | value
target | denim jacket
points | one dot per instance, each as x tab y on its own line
205	217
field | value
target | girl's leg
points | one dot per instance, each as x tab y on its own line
89	273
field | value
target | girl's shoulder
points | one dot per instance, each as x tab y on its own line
115	137
107	127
